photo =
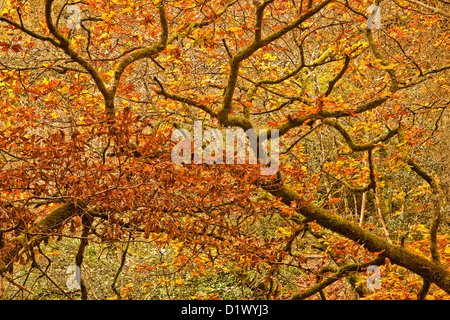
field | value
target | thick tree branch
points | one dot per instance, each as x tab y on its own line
52	221
147	52
359	147
341	73
247	51
438	197
339	273
430	270
260	6
63	43
30	32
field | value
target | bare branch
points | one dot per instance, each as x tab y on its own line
147	52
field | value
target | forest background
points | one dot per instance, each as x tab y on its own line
93	207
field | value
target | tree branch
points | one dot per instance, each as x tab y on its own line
430	270
341	73
438	197
64	44
340	272
359	147
247	51
147	52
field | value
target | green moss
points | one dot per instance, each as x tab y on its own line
57	216
52	220
429	270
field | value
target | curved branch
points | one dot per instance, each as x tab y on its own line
339	273
147	52
389	70
63	43
87	223
437	193
247	51
429	270
122	263
341	73
359	147
183	99
30	32
324	113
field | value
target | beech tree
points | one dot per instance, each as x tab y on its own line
91	92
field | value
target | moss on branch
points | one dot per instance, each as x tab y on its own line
53	220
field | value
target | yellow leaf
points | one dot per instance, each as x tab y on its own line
387	67
234	29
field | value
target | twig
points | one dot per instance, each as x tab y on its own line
4	275
122	263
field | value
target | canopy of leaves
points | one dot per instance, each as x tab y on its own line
91	92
